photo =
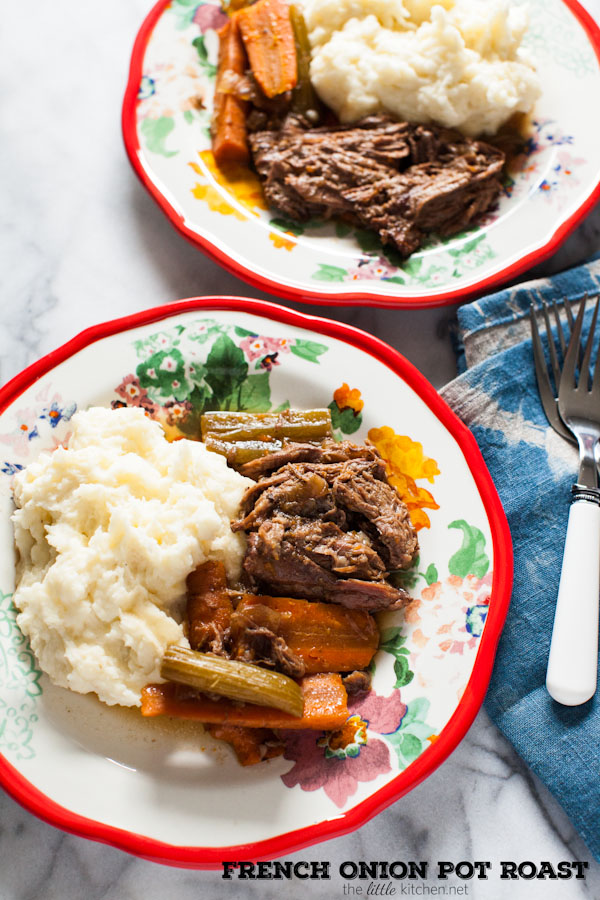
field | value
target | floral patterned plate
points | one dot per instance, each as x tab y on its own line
166	119
166	790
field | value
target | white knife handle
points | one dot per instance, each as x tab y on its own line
573	660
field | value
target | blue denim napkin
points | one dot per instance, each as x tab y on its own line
533	469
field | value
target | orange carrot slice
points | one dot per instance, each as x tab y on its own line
268	36
327	638
230	136
325	707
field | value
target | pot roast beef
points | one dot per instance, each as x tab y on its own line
327	526
400	180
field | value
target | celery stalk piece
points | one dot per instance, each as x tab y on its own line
243	436
304	97
229	678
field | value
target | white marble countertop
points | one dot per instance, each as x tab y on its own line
81	243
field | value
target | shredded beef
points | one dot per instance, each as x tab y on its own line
328	451
326	526
358	682
382	512
400	180
341	552
254	631
299	559
300	494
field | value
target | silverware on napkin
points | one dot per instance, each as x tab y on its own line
573	410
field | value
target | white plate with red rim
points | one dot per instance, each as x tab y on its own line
166	119
163	789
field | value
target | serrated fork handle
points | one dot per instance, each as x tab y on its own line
573	660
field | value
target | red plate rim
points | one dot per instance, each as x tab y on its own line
443	298
456	728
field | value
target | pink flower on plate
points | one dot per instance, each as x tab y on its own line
134	395
382	714
339	761
26	429
278	345
373	269
177	411
130	389
254	347
209	16
456	609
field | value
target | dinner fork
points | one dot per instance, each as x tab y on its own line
548	393
573	658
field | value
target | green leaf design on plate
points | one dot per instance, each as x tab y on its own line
368	240
200	45
408	578
201	337
344	420
164	375
197	374
413	265
469	246
255	393
330	273
393	641
226	371
417	711
184	10
309	350
19	672
200	399
411	738
155	132
287	225
341	229
471	558
431	574
243	332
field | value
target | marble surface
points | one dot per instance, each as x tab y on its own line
81	243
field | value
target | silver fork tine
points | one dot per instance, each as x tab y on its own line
569	312
568	372
584	370
547	394
551	346
541	369
571	317
596	381
559	328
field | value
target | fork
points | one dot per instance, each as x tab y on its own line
573	658
546	391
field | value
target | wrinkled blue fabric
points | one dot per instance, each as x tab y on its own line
533	470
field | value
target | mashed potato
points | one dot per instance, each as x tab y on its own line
458	63
107	531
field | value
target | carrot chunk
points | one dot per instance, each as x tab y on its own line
268	36
209	607
325	637
251	745
325	707
230	136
